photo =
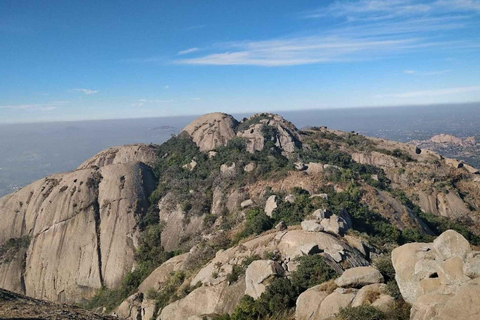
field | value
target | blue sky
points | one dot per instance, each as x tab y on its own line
72	60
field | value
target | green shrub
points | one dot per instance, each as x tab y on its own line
9	249
256	222
361	313
312	270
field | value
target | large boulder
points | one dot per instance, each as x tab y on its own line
83	230
284	134
212	130
439	279
333	303
217	299
312	226
309	302
258	274
358	277
451	244
271	205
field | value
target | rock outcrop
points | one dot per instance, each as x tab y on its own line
82	227
212	130
283	133
124	154
437	278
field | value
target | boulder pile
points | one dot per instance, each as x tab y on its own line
440	279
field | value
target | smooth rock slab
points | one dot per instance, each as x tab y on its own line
358	277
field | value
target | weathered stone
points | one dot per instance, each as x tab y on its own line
249	167
290	198
335	224
121	155
404	260
217	299
212	130
358	277
375	295
313	168
286	134
451	244
471	267
357	244
320	214
312	226
451	272
257	275
465	304
190	166
271	205
247	203
228	170
281	226
308	303
332	304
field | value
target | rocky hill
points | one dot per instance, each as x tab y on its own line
466	149
244	220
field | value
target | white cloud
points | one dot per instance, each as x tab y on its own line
195	99
187	51
166	87
35	107
86	91
142	102
426	73
431	93
370	10
369	29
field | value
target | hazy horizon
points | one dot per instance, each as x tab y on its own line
34	150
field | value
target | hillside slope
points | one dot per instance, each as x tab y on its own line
158	227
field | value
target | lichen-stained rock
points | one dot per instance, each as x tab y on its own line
82	229
359	277
118	155
212	130
257	275
284	134
217	299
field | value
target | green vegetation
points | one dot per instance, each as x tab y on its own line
361	313
293	213
256	222
9	249
400	311
311	271
329	153
397	153
438	224
280	296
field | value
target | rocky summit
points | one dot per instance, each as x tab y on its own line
247	219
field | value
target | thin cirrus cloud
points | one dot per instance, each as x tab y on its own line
187	51
431	93
142	102
426	73
86	91
368	29
35	107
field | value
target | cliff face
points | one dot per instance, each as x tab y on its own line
82	231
